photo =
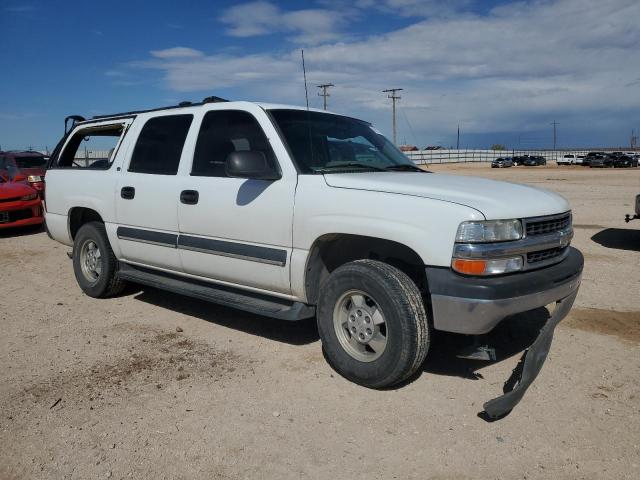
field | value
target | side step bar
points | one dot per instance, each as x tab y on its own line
220	294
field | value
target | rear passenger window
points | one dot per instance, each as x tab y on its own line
159	145
224	132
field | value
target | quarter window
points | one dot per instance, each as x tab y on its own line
92	147
222	133
159	145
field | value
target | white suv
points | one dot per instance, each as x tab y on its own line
295	213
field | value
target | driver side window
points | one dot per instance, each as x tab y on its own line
92	148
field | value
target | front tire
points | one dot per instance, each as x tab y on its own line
94	263
372	323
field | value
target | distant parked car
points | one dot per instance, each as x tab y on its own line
624	161
534	161
601	161
502	162
578	160
586	162
568	159
29	166
20	204
519	160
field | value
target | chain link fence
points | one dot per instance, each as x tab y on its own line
428	157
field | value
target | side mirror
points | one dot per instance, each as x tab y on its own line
250	164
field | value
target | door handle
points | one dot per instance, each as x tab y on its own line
189	197
128	193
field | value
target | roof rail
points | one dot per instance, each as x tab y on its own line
211	99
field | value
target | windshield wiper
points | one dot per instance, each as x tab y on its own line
349	166
404	167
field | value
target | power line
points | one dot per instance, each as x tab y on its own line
406	118
324	93
393	97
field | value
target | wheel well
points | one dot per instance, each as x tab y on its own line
78	216
330	251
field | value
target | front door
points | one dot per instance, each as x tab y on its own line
233	230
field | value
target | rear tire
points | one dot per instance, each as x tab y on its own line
372	323
94	263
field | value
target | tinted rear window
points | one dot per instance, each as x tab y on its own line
159	145
31	162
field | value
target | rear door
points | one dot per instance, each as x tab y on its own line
234	230
148	191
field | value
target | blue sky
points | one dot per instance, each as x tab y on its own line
502	70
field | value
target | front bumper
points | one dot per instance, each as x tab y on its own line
20	213
475	305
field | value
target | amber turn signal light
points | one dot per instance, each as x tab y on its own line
469	267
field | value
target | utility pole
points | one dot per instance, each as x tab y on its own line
554	133
634	139
458	141
324	93
392	95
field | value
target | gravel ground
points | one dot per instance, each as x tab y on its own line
153	385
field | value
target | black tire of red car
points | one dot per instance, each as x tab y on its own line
407	329
107	283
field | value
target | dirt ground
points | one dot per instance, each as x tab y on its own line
110	389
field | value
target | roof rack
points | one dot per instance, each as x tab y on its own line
211	99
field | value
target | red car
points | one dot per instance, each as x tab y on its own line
20	204
29	166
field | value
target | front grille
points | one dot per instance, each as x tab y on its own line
16	215
14	199
542	255
548	225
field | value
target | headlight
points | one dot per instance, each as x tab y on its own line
34	178
489	231
31	196
487	267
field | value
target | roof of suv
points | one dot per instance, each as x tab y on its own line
189	105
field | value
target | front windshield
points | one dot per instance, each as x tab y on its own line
31	162
328	143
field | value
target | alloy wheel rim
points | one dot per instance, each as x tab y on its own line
90	260
360	326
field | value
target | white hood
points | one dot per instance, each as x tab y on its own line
494	199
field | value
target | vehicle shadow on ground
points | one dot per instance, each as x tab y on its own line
619	238
21	231
301	332
510	338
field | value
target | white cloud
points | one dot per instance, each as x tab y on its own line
177	52
518	67
307	26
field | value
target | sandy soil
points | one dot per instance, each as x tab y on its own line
110	389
